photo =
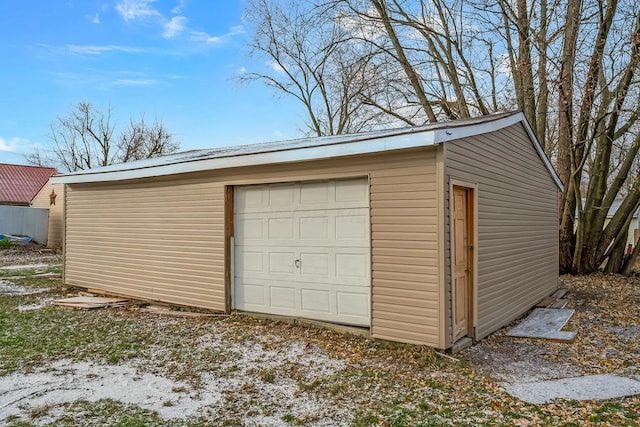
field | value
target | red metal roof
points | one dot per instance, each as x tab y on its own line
19	184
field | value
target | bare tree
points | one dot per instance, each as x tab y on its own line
38	157
84	138
141	141
312	57
571	66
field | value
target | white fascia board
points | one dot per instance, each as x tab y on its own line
359	145
396	142
468	131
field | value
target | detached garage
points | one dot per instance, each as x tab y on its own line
424	235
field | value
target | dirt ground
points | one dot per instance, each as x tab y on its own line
28	253
124	367
607	322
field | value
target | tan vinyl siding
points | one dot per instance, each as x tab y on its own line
151	240
517	244
56	212
164	238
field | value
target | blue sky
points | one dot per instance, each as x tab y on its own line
169	59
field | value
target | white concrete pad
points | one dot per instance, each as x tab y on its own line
545	323
592	387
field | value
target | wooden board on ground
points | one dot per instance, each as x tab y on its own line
545	323
88	303
546	302
165	310
559	293
561	303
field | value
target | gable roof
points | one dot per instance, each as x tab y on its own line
308	149
19	184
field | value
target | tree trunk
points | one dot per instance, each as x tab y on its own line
630	262
565	163
411	73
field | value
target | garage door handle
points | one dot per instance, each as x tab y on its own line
297	263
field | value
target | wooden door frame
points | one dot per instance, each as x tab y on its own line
228	247
472	224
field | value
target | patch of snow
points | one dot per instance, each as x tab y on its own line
65	381
10	288
29	307
22	267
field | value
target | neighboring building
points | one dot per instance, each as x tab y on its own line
425	235
633	226
22	185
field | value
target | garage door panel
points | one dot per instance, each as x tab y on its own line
250	261
283	297
312	300
314	228
352	266
316	300
315	193
339	266
341	194
250	198
252	295
352	304
351	226
282	262
351	190
281	228
315	264
249	229
281	195
307	246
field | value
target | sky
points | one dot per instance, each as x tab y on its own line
174	60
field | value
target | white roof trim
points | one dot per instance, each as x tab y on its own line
289	152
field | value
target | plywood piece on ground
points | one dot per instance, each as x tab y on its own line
87	303
545	323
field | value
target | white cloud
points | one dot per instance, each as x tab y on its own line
99	50
134	82
174	26
11	146
135	9
201	36
94	18
242	70
277	67
180	7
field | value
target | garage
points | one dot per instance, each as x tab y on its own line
303	249
429	235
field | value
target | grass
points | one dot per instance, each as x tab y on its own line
28	338
384	384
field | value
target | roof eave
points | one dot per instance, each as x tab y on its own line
400	141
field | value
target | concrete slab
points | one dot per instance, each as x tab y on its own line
592	387
545	323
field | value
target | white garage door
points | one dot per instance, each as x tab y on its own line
302	249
